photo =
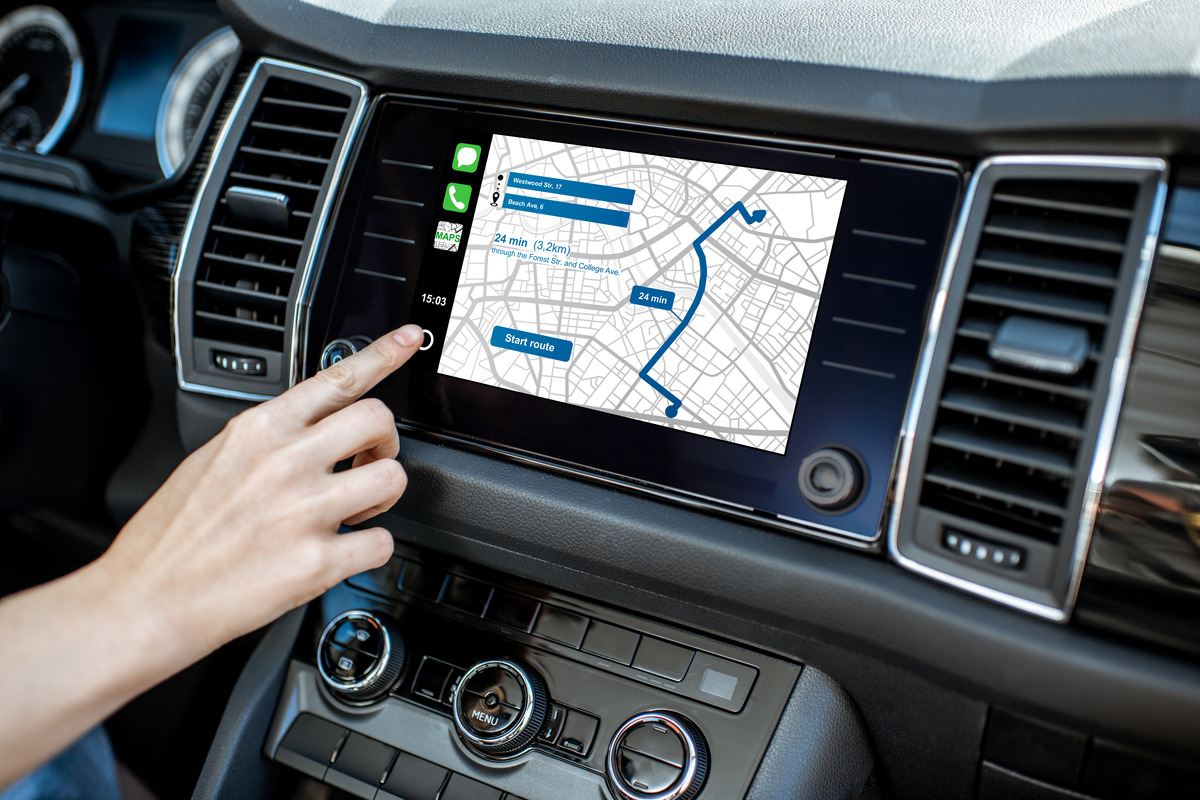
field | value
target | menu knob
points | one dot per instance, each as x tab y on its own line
499	708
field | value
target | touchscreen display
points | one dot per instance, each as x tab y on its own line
718	320
666	290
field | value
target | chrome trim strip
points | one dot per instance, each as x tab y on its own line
289	360
1106	434
316	247
185	245
1112	402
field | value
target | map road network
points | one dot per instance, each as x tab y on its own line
670	291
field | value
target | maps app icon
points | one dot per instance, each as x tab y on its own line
448	236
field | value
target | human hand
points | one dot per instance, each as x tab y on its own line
245	529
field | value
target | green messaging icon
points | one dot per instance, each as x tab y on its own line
466	157
458	197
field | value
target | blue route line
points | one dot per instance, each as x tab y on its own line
673	408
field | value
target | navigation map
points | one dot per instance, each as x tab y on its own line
670	291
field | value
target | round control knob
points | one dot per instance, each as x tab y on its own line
340	349
499	708
831	479
657	756
360	655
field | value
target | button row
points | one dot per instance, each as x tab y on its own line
369	769
242	365
696	674
970	547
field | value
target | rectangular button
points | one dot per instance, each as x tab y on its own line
448	690
512	610
431	678
719	682
664	659
533	344
413	778
381	580
461	787
555	718
467	595
578	733
309	745
580	189
1034	748
422	581
560	626
360	766
611	642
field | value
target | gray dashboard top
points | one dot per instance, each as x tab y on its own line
957	78
976	40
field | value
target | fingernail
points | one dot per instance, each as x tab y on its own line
409	336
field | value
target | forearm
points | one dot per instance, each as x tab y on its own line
245	529
76	649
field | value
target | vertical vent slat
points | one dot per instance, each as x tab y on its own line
248	264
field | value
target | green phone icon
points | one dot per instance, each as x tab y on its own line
466	157
458	197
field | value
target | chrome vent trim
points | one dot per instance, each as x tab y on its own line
272	143
985	282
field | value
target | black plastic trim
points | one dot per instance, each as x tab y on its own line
235	767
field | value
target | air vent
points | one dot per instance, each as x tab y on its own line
1015	408
252	233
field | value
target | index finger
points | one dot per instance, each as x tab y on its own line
348	380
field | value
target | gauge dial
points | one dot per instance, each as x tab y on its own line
41	77
191	88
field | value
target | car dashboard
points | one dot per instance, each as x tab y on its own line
805	409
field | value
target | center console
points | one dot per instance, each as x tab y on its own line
431	679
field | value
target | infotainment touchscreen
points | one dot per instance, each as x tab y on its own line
666	290
731	322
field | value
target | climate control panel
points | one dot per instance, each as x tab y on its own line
473	685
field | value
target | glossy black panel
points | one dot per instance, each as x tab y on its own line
1143	571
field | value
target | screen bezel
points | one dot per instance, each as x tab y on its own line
683	465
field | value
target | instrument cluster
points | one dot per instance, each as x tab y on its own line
120	87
